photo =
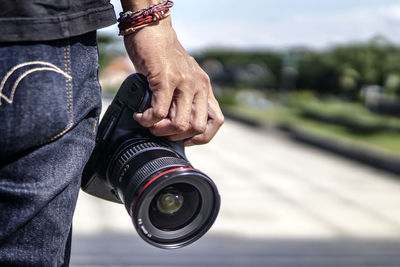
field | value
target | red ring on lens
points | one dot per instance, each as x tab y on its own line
155	178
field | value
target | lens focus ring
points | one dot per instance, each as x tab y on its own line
150	168
138	162
156	166
132	152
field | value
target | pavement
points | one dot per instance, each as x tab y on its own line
283	204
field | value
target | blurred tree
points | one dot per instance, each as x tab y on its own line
257	69
318	72
341	70
350	81
392	84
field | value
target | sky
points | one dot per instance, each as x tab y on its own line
281	24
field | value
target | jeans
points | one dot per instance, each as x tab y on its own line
49	107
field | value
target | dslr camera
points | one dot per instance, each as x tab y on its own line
171	203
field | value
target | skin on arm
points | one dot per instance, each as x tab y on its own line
183	104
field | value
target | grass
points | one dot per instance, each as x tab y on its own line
346	122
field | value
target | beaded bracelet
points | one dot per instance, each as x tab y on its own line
137	27
123	15
130	21
146	22
152	18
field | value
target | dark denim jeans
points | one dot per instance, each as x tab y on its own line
49	107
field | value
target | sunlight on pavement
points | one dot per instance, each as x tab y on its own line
272	187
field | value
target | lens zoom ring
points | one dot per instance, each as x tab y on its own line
132	151
154	166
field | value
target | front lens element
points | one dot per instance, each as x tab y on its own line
169	201
175	207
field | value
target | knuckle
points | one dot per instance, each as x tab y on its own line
160	113
199	128
205	78
177	77
181	126
220	119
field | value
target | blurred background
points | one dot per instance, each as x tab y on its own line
308	160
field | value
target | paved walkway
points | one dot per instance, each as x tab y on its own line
273	187
278	190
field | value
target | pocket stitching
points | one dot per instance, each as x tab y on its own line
52	67
68	89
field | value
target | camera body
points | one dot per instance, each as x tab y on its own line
171	203
116	127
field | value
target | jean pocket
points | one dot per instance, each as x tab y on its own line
36	105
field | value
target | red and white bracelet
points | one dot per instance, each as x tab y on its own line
129	21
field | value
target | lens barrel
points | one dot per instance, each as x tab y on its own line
171	203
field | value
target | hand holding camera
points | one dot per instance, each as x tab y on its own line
183	105
171	203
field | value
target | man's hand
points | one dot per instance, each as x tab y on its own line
183	105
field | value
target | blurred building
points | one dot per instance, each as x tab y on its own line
115	73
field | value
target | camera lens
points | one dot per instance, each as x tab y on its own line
171	203
175	207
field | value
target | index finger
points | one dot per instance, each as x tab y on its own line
160	104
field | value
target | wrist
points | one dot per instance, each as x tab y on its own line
133	20
162	32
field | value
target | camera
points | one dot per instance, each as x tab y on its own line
171	203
